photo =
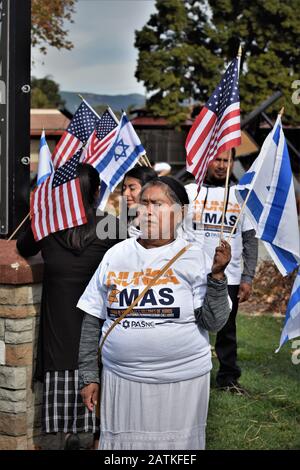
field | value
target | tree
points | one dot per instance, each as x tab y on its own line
172	58
269	31
48	23
186	45
45	93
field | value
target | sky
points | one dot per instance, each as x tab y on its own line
103	59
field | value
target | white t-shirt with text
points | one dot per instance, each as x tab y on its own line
203	225
159	341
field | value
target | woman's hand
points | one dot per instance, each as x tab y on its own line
90	395
221	259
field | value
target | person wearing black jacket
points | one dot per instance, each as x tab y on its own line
70	258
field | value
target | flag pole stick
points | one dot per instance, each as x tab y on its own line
147	159
19	226
246	199
225	197
143	159
238	217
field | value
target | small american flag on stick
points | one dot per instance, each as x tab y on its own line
101	138
56	204
217	128
76	135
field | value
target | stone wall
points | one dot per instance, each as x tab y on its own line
20	400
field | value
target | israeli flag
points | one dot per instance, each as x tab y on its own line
122	154
271	204
291	327
45	166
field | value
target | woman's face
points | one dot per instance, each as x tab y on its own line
131	190
158	214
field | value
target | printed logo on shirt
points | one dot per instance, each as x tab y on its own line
216	206
125	278
173	312
142	324
213	222
154	303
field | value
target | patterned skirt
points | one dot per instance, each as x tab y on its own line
63	409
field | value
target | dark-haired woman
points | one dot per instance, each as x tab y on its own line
132	184
157	360
70	258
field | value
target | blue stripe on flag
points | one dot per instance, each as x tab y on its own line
43	141
288	261
280	197
123	168
276	135
103	188
247	178
108	157
43	178
285	340
294	300
254	204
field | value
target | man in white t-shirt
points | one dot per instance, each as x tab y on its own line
204	225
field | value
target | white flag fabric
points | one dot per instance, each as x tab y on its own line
291	327
122	154
271	205
45	165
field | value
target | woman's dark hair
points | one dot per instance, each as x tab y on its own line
78	237
141	173
175	189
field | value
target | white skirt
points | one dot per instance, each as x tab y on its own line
136	415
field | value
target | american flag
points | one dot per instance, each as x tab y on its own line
217	128
77	133
56	204
101	138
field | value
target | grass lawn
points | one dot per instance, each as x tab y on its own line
270	417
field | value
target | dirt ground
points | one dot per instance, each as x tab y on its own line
271	291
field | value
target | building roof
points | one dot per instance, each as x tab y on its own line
52	120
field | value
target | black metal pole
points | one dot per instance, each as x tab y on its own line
15	18
262	107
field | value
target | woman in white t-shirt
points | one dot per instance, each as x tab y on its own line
157	360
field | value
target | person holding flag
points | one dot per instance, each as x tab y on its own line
66	235
205	228
156	361
210	147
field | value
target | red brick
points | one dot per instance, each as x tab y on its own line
14	269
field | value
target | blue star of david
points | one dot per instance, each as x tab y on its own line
122	153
